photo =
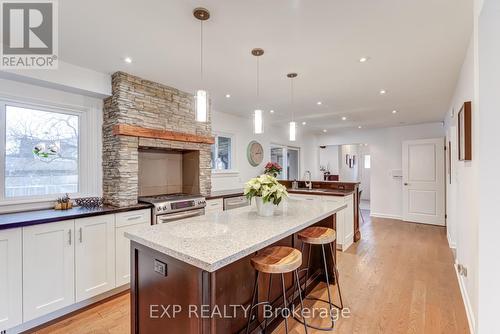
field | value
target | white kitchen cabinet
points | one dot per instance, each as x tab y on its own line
345	220
127	222
94	256
48	268
214	205
11	278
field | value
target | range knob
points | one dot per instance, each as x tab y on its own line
158	208
164	207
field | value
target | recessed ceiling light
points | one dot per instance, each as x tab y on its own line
363	59
344	118
304	123
228	96
271	111
394	111
319	103
324	130
359	127
128	60
383	92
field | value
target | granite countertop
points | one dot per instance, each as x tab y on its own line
215	240
27	218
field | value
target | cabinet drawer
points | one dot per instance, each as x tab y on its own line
214	205
303	197
133	217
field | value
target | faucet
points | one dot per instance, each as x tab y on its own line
308	181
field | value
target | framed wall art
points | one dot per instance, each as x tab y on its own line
465	132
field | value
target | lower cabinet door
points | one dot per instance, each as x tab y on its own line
11	278
48	268
123	253
94	256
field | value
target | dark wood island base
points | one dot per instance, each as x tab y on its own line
170	296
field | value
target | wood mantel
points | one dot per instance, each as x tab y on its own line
138	131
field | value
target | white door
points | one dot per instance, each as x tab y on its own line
423	181
11	278
94	256
48	268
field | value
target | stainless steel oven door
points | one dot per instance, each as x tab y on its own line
170	217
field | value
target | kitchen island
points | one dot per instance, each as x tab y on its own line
200	267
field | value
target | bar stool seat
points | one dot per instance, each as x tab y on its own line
277	260
317	235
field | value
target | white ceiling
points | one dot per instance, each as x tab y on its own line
416	48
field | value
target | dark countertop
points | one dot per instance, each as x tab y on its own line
239	192
225	193
328	192
27	218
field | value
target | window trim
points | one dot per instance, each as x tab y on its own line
48	107
233	170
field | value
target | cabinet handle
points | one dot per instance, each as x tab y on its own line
81	235
134	217
69	236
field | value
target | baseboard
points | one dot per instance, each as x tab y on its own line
383	215
466	300
450	243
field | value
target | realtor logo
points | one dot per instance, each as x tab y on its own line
29	34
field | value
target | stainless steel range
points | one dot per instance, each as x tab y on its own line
172	207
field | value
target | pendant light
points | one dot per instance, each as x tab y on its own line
258	122
201	98
292	124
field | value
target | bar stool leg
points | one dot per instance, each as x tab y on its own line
284	301
301	301
336	273
268	299
253	301
330	304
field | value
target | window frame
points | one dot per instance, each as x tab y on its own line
233	169
54	108
369	161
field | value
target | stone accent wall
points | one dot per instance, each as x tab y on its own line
140	102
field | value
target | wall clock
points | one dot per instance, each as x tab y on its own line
255	153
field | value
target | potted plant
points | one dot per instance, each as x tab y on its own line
273	169
268	193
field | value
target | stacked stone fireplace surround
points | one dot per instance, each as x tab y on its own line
147	104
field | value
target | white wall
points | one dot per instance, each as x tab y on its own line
462	193
329	158
488	96
242	129
386	154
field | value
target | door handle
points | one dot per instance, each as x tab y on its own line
406	184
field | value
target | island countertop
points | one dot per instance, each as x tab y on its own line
215	240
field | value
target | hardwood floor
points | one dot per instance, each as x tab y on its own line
398	279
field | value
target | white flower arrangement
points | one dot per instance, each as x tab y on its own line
267	187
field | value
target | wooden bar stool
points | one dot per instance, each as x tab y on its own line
317	235
277	260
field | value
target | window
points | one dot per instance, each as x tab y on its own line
41	152
222	153
288	158
367	161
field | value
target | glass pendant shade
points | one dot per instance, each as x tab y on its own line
293	130
258	122
201	105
